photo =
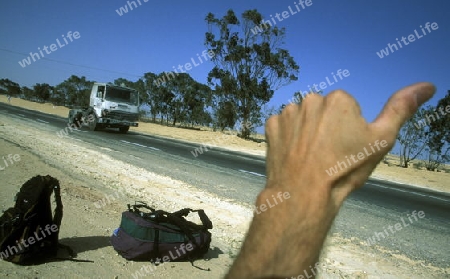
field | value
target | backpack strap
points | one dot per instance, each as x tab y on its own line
57	218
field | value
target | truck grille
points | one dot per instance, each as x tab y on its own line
123	116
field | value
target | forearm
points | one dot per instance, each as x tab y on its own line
274	248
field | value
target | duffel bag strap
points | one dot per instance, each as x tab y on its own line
207	224
177	218
139	204
204	218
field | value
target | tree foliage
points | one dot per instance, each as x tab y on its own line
75	91
28	93
180	98
188	99
9	87
151	94
138	85
412	138
426	135
438	134
249	66
42	91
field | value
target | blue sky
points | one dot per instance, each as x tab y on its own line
155	36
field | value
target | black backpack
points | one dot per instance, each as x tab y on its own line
29	231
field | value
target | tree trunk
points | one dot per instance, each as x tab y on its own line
245	130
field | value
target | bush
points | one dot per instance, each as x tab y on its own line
418	165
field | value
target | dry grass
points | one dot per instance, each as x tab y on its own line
391	170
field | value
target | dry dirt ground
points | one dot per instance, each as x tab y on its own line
88	176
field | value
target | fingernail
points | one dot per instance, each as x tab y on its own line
423	93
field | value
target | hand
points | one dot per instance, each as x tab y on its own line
303	143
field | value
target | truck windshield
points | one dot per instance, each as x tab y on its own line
121	96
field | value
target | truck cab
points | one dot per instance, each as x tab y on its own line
110	106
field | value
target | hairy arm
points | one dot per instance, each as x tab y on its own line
304	142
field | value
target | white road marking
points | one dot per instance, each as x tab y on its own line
254	173
40	120
140	145
21	114
135	157
400	190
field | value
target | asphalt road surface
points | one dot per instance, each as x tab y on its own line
371	212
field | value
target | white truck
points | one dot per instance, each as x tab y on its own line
110	106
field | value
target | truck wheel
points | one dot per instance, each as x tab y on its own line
124	129
93	126
74	119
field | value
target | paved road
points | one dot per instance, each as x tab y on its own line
372	211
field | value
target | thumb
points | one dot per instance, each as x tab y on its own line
402	106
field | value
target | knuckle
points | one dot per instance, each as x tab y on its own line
289	111
344	99
339	94
271	122
290	108
311	98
